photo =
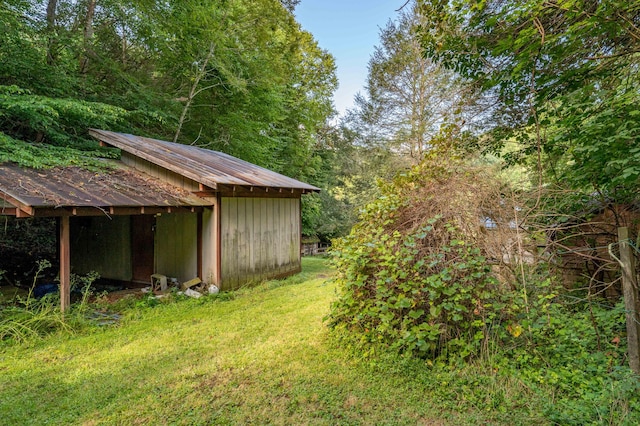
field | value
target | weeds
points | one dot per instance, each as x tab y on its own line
568	367
30	318
82	284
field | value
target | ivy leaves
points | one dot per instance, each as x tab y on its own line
52	123
57	121
45	156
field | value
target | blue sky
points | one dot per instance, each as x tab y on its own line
349	29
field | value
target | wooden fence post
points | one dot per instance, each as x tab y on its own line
630	289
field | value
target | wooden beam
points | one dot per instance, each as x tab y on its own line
65	264
258	192
204	194
113	211
27	210
300	232
8	211
205	188
22	213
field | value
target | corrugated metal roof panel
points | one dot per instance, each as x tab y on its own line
202	165
76	187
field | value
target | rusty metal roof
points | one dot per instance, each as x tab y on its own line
75	187
202	165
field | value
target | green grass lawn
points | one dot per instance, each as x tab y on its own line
264	357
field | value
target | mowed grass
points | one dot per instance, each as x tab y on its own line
264	357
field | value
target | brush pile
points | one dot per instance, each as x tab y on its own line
419	272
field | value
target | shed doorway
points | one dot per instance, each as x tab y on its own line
142	247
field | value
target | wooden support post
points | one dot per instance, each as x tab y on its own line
630	289
217	244
199	244
65	264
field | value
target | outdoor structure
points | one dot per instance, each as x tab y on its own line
166	208
582	246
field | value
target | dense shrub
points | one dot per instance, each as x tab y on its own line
413	273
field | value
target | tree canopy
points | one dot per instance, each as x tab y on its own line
563	75
237	76
409	99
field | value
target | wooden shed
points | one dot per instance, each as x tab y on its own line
166	208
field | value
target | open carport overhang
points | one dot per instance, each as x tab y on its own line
72	191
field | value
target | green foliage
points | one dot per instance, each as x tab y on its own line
576	349
423	288
59	127
611	117
52	120
22	55
311	214
423	305
22	325
348	178
44	156
31	318
408	97
306	378
568	353
235	76
28	319
561	76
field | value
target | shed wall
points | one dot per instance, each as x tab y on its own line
260	239
102	244
176	246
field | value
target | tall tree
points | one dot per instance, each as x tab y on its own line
409	98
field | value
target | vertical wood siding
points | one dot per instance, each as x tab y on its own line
208	246
260	239
176	244
103	245
159	172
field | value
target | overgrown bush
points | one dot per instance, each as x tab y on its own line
414	273
420	277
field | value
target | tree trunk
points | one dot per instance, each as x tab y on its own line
51	28
124	45
202	71
87	35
